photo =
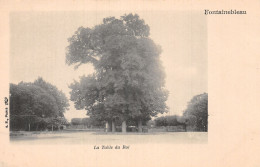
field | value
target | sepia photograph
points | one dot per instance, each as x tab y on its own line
95	77
111	83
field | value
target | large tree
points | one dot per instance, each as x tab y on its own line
128	82
35	105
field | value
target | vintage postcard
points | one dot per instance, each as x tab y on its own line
129	83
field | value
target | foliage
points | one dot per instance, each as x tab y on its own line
172	120
76	121
160	121
37	104
150	123
60	98
197	111
128	82
87	122
195	116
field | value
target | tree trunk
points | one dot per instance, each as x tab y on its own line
29	127
108	128
185	127
124	126
140	125
113	126
51	127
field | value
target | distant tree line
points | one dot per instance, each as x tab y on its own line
195	116
88	122
172	120
37	106
92	122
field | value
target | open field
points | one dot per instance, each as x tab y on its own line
83	137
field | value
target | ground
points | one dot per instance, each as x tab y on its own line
83	137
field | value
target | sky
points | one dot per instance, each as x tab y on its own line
39	40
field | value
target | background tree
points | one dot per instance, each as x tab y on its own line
60	98
160	121
76	121
198	108
89	122
128	82
86	122
171	120
32	105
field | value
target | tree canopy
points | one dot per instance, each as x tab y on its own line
128	82
198	109
172	120
35	103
